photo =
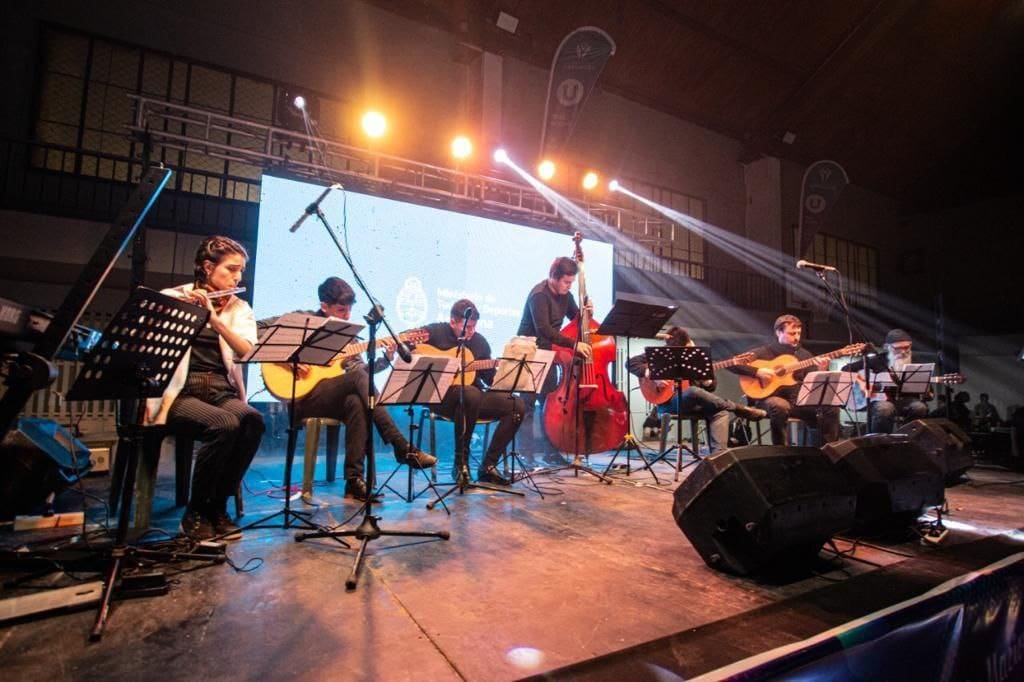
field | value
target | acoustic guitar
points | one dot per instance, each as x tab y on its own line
660	391
784	366
859	401
471	367
278	377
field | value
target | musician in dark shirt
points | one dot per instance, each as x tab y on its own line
781	405
898	347
344	398
698	400
477	402
549	304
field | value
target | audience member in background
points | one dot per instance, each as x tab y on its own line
986	416
960	411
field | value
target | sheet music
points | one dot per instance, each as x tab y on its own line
825	388
531	379
320	339
422	381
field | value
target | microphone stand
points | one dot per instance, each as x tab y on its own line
840	300
368	529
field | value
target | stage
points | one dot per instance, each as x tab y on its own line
593	581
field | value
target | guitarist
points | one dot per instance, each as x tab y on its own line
781	405
344	398
898	348
477	402
699	400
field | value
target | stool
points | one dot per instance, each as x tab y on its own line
797	432
145	480
427	413
313	426
694	421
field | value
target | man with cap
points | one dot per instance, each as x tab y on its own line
897	351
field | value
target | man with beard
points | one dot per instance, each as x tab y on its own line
898	347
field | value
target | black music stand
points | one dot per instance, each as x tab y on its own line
825	389
679	364
521	375
293	339
134	360
633	319
424	381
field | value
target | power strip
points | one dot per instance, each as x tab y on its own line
64	520
933	537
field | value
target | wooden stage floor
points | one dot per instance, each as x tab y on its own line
524	586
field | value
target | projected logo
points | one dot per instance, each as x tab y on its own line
411	303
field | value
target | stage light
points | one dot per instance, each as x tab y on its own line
500	156
461	147
546	169
299	102
590	180
374	124
613	186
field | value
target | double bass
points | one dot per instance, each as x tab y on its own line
586	413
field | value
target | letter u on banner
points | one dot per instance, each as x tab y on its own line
579	61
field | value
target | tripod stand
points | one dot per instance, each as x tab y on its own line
633	319
681	365
368	529
140	349
462	434
298	339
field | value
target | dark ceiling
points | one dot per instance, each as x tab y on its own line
917	99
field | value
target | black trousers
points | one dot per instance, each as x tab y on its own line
344	398
504	407
824	419
209	410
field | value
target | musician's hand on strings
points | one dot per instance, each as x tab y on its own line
389	351
584	349
822	365
765	375
302	370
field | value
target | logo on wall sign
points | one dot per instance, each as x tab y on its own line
411	303
815	203
570	92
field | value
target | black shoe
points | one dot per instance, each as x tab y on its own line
417	459
224	528
745	412
357	489
491	475
196	527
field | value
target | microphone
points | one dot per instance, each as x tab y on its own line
801	264
314	207
403	351
468	313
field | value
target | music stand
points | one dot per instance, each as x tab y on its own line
423	381
641	320
298	339
825	389
678	364
523	374
135	359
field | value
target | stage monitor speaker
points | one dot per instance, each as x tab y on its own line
895	480
763	508
944	442
36	460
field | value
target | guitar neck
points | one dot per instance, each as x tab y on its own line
731	362
804	364
478	365
356	348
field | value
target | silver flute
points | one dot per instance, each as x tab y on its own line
224	292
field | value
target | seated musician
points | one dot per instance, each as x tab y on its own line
478	403
344	398
781	405
206	396
549	304
699	400
898	347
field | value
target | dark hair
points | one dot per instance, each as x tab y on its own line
677	336
563	266
336	291
782	320
460	307
214	249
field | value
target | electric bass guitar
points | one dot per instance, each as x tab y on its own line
783	367
660	391
471	367
278	376
859	397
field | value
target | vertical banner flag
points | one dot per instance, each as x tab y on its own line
823	182
578	63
